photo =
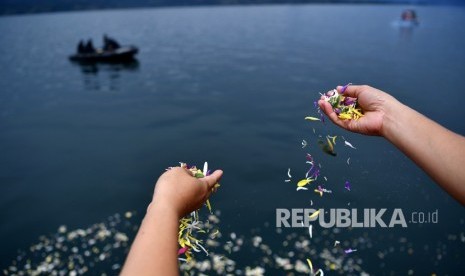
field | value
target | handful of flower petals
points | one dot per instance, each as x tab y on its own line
346	108
191	228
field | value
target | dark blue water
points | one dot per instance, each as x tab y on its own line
230	86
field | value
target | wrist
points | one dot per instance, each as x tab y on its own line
394	114
159	207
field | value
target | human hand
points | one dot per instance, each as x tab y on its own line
178	190
374	103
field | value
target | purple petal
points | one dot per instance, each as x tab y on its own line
316	173
208	173
345	87
347	185
315	103
309	157
348	101
337	111
182	250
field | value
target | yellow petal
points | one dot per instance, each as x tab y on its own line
312	119
333	138
304	182
331	147
314	215
209	206
310	265
344	116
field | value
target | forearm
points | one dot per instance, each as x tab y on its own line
154	251
438	151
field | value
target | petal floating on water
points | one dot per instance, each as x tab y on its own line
350	250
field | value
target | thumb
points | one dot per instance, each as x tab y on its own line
213	178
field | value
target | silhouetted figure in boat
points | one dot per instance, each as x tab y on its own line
80	47
109	44
409	16
89	48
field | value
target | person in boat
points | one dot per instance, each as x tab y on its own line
89	48
109	44
81	47
409	16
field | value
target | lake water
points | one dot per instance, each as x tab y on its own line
231	86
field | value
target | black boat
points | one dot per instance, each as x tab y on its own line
122	54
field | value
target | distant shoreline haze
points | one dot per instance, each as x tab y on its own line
42	6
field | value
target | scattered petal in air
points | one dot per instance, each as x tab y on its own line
350	250
209	206
336	243
201	247
327	147
310	231
182	250
326	179
347	185
321	190
287	180
304	182
304	143
320	272
349	145
314	215
348	161
205	169
309	157
311	266
301	188
333	139
289	172
311	202
309	118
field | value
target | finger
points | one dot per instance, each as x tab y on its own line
213	178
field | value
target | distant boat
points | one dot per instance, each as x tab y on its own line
408	18
122	54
